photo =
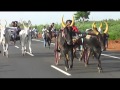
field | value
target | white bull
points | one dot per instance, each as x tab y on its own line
5	37
25	37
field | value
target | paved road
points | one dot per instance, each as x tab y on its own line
41	64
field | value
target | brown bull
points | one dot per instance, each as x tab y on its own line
65	44
94	43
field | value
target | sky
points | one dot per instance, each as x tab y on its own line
41	17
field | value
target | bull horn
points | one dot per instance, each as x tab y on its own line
63	24
100	25
106	30
72	21
1	24
93	25
23	23
94	29
29	25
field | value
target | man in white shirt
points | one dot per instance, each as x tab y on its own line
44	30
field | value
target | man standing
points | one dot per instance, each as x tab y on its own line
44	30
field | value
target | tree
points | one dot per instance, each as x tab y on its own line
82	15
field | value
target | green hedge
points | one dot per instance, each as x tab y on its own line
114	27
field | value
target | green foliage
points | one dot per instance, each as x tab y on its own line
57	26
82	14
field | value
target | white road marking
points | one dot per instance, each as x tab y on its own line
41	41
101	54
26	52
16	46
30	54
110	56
68	73
53	65
37	40
60	70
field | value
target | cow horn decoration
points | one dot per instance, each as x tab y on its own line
63	23
106	30
101	25
94	29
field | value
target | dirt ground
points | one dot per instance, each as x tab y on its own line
113	45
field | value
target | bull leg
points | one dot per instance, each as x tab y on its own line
59	55
7	50
59	52
81	55
84	53
66	61
14	42
99	64
74	53
92	54
49	43
25	46
97	56
85	58
20	40
88	56
23	51
30	49
71	59
4	49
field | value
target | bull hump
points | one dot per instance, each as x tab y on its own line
88	36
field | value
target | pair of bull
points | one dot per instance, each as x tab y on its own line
25	36
93	43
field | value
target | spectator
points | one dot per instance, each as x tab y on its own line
44	30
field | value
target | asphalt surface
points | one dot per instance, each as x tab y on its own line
41	64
